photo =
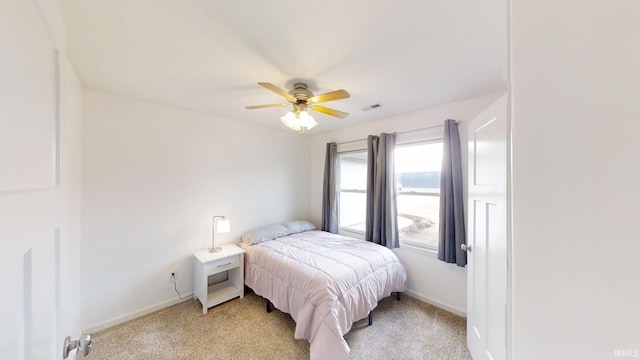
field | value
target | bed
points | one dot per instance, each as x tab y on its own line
325	281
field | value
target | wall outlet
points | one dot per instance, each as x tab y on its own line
172	277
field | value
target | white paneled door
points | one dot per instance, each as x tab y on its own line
39	226
487	235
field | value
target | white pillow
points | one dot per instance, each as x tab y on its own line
298	226
264	233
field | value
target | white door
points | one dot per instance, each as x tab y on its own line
487	234
39	198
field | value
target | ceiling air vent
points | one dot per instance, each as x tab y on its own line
371	107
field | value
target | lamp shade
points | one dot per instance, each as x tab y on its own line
223	226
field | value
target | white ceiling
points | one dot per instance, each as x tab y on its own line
208	55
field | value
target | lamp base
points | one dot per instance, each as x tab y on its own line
215	249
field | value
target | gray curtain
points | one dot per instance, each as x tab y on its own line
372	157
382	217
452	232
330	190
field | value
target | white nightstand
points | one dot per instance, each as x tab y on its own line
205	264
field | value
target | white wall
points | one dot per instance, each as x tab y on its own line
576	123
40	186
153	176
430	279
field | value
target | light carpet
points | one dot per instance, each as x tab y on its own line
242	329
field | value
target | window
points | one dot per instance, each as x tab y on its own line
353	191
418	180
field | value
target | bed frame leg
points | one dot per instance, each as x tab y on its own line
268	306
370	318
398	295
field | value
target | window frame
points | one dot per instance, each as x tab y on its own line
421	136
415	243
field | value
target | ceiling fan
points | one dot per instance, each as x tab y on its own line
301	99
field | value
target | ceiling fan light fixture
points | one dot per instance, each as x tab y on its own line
299	121
302	99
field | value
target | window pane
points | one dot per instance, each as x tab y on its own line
352	210
353	171
419	157
418	170
418	167
418	218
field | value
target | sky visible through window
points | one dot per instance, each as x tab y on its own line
419	158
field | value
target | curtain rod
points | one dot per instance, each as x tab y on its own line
400	132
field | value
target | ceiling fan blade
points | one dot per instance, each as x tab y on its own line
264	106
277	90
330	96
332	112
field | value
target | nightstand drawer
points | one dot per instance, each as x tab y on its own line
217	266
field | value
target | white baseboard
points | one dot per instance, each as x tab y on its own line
438	304
136	314
189	296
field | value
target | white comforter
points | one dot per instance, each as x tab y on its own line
325	281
